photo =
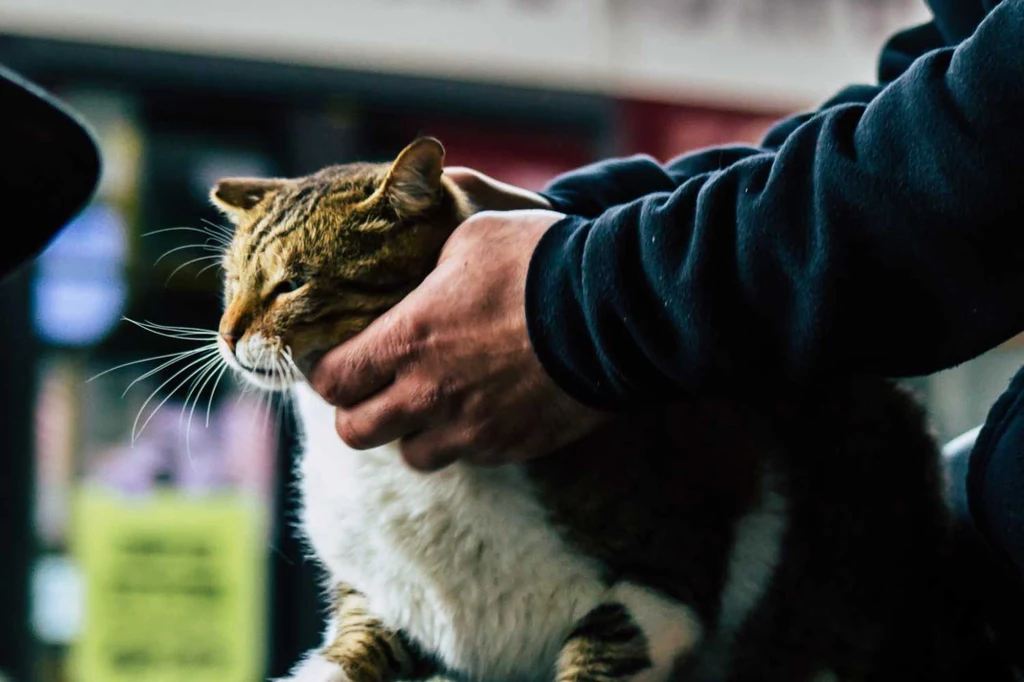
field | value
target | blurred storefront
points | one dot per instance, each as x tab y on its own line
161	508
161	539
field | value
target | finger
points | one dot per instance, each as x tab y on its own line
397	412
434	449
492	194
464	178
361	366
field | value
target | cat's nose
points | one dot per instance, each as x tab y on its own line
234	322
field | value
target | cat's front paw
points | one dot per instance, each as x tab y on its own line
316	668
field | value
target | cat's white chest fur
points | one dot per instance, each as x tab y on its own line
464	560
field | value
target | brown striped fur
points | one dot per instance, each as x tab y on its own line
367	650
860	590
605	646
316	259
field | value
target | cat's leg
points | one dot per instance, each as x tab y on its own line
366	649
359	648
637	635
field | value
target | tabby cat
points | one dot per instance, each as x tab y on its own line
728	538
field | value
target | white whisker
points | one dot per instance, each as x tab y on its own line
138	362
205	350
275	378
216	256
217	226
285	395
260	397
180	336
246	389
196	378
183	336
209	405
168	327
215	373
205	247
157	390
222	238
221	230
279	421
262	394
296	373
179	333
209	267
211	363
209	374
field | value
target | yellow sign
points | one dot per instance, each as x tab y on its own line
175	588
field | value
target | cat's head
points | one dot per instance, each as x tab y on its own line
314	260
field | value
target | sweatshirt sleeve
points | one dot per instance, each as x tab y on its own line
593	189
882	238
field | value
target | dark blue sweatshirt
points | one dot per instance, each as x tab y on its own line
882	234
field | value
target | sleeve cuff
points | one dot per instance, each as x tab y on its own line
558	203
555	319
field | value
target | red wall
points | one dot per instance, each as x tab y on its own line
530	158
526	158
667	130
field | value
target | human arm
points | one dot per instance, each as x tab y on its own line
470	385
881	238
593	189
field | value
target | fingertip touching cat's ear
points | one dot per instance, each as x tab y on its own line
414	182
237	196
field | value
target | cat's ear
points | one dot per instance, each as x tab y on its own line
237	196
413	184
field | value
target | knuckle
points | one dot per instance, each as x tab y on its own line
416	331
474	408
395	340
430	397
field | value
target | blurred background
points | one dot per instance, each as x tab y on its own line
168	554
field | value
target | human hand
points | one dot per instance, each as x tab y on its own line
489	194
450	371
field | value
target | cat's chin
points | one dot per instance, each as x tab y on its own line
267	382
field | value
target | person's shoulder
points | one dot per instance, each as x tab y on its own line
957	20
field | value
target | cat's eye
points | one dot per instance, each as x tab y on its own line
285	287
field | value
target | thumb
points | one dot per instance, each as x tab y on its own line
361	366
